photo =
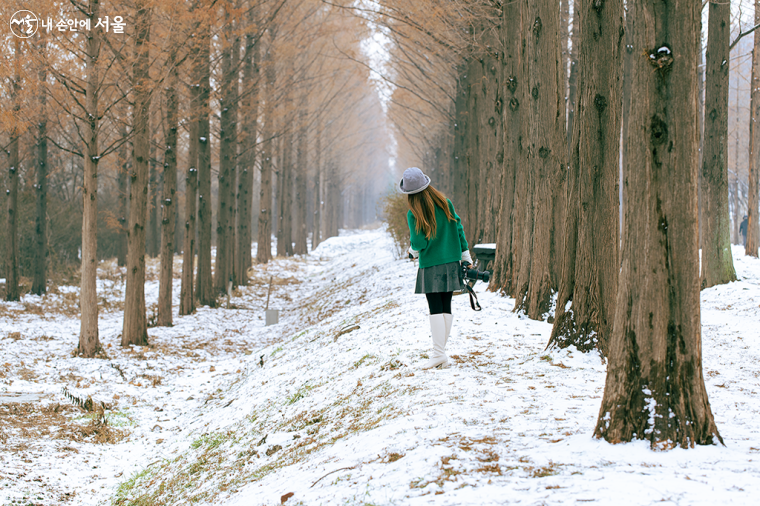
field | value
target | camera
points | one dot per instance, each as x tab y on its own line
470	274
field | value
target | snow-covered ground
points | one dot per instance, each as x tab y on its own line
329	404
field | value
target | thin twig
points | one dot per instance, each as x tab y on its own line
331	472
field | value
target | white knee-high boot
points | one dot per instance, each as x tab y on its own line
438	329
449	319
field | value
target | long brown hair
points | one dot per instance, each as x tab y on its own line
423	205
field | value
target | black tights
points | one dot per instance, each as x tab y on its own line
439	302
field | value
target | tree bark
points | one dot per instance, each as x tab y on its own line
186	297
475	100
628	61
717	261
204	289
459	163
169	206
12	291
89	342
227	160
39	283
249	131
572	87
546	154
154	190
317	227
122	182
590	260
491	145
285	178
135	330
264	241
511	80
753	220
301	235
654	389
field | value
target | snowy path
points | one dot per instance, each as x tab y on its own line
508	423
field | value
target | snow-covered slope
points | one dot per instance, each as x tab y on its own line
339	414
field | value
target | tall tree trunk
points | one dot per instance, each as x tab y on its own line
232	104
564	40
301	236
459	155
122	183
654	389
522	207
753	220
475	100
491	144
285	179
628	60
135	329
169	206
590	262
572	86
187	292
227	159
511	78
285	197
154	190
547	153
250	113
204	289
717	261
186	298
317	227
40	229
12	291
89	342
264	241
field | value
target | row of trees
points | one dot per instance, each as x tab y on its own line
263	106
599	184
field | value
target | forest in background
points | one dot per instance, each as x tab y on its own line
542	121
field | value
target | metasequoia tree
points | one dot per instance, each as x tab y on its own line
228	142
168	205
753	220
249	111
204	292
135	330
264	243
89	342
506	236
655	389
588	283
39	282
11	283
545	154
300	246
717	262
186	297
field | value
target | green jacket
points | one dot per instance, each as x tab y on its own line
447	243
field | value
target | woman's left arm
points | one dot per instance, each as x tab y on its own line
418	240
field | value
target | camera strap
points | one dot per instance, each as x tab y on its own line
473	298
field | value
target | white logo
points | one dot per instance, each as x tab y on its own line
24	24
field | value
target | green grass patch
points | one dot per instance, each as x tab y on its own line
365	358
302	392
114	419
210	441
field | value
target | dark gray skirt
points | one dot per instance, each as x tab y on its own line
439	278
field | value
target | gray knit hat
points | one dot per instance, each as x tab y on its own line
414	181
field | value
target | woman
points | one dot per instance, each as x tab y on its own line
438	241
